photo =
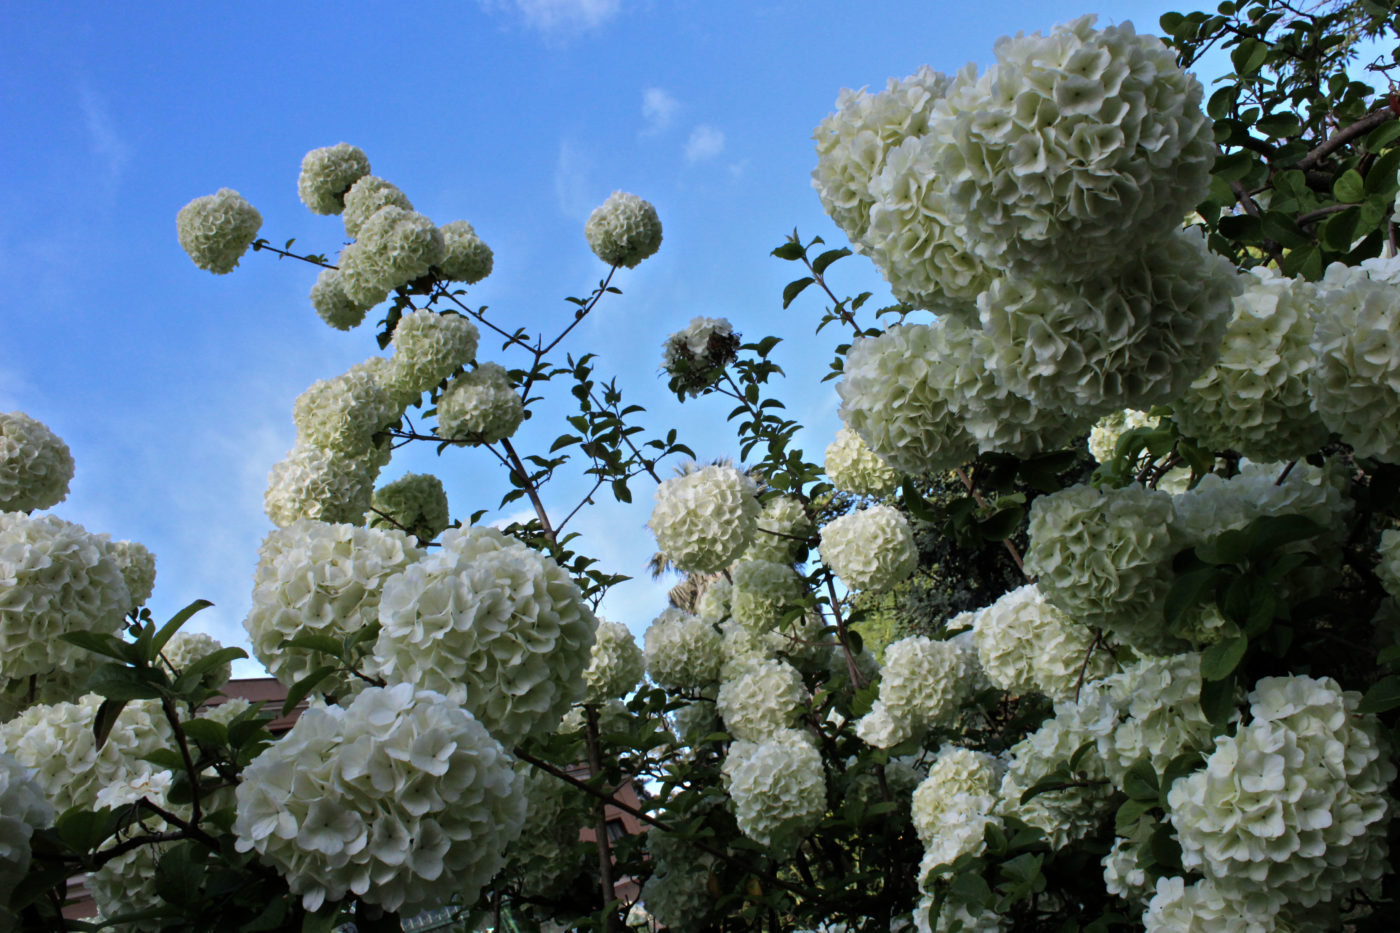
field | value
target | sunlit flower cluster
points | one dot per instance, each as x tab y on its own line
1355	384
415	503
760	698
401	798
777	786
852	467
394	247
623	230
311	482
35	465
762	593
872	549
328	173
953	805
705	518
922	684
467	257
695	358
615	665
429	347
366	196
217	229
491	622
342	415
1026	645
138	568
480	406
683	652
316	578
782	531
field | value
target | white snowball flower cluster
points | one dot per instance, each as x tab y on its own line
763	592
1295	802
953	805
872	549
1218	504
128	884
899	394
782	530
217	229
401	798
343	414
35	465
1026	645
1108	430
922	684
23	809
333	305
56	743
957	915
683	652
623	230
467	257
429	347
364	199
315	578
395	246
715	603
695	358
853	141
1103	557
852	467
706	518
1132	339
1073	149
1255	398
1388	568
184	648
678	893
490	622
481	406
1203	907
778	788
138	568
55	578
311	482
415	504
1355	384
1064	815
328	173
615	664
760	698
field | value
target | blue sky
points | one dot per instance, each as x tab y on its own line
174	388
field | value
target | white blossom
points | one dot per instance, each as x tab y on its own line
327	174
1355	383
35	465
342	415
852	467
311	482
395	246
706	518
217	229
615	664
1026	645
480	406
623	230
760	698
429	347
415	504
922	684
682	651
366	196
778	788
872	549
467	258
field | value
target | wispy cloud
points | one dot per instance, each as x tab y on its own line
658	109
705	142
558	18
572	185
107	144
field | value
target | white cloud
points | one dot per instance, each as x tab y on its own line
107	145
658	109
560	16
572	186
705	142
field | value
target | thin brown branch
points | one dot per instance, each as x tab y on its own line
518	467
1345	135
600	824
982	503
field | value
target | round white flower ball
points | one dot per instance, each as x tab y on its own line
852	467
1355	384
185	648
316	578
1063	815
1103	557
401	798
1075	148
217	229
467	257
1255	398
922	685
706	518
759	698
35	465
695	358
953	805
716	601
615	664
311	482
138	568
415	504
342	415
333	305
763	591
493	623
328	173
395	246
55	578
782	531
778	788
900	394
872	549
480	406
366	196
623	230
1108	430
1026	645
683	652
429	347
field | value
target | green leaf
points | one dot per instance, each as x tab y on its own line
1338	232
1228	547
1383	135
1350	187
1218	700
322	921
189	677
1234	166
1218	661
302	688
620	491
1140	782
1383	695
795	288
971	888
790	251
206	732
177	620
1381	179
915	502
1188	591
179	877
1128	815
1279	125
84	830
1001	525
116	682
1248	56
106	645
106	718
820	264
